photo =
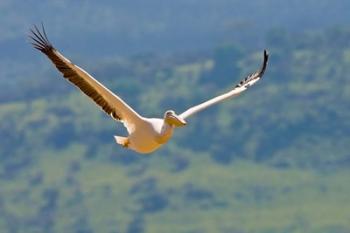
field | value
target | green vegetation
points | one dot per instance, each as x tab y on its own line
273	160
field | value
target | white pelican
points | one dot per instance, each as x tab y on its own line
145	134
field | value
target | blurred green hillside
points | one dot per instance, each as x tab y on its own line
274	160
107	28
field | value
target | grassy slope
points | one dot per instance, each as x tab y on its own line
242	196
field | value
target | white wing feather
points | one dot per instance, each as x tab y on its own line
239	88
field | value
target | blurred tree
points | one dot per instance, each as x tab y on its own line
226	66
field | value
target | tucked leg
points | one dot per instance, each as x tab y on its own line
123	141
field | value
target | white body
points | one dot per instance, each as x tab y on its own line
149	134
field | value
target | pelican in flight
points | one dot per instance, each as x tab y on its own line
145	135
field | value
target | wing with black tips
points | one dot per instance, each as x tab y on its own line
239	88
102	96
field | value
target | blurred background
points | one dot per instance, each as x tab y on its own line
274	160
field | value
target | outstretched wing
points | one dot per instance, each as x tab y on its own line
239	88
103	97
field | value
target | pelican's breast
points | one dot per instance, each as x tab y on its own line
149	135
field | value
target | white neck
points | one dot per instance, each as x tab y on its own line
165	133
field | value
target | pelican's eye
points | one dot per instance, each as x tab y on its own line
169	113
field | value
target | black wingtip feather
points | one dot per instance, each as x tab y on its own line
258	74
39	39
264	65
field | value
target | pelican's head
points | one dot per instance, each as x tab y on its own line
171	118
